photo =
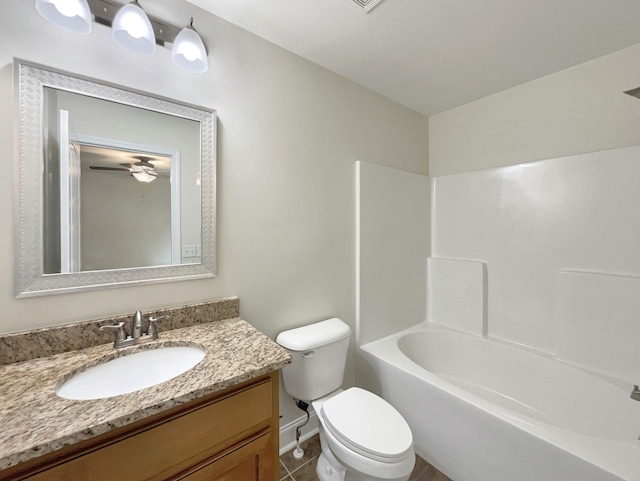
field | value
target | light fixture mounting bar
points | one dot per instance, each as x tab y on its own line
104	11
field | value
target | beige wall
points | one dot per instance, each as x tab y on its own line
131	229
578	110
289	135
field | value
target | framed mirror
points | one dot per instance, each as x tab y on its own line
114	187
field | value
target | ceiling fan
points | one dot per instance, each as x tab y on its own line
143	170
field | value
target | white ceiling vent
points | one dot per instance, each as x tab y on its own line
367	5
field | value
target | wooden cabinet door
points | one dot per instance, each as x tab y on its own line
250	462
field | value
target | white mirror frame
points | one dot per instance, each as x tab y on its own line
29	278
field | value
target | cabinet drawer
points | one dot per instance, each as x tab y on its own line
249	462
191	436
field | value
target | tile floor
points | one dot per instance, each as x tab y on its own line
304	469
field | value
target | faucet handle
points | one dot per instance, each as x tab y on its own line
153	331
120	335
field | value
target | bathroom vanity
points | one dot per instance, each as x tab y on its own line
230	435
219	420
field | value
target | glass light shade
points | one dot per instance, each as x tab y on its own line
143	176
132	29
188	51
71	15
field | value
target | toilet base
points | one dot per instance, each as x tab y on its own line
327	472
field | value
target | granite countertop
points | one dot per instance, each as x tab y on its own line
35	421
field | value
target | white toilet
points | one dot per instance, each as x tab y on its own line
363	437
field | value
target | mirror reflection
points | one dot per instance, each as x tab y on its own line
121	186
142	208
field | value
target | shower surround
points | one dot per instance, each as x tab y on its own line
540	259
560	240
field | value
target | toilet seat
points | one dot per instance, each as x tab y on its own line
368	425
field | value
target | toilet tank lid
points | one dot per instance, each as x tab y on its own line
314	335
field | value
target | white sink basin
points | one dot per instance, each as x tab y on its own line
131	373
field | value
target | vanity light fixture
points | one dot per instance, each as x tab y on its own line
71	15
132	29
188	50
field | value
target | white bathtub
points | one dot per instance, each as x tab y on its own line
482	410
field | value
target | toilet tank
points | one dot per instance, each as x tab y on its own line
319	355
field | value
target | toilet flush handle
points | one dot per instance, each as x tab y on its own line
308	355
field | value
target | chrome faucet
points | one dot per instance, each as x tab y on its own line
635	394
137	336
136	325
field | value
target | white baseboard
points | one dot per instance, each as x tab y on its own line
288	432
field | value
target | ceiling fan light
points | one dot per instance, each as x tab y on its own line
189	52
132	29
143	176
71	15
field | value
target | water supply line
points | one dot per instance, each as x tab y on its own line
298	452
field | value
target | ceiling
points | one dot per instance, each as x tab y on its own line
433	55
99	156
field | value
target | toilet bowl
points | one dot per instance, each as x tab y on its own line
363	437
